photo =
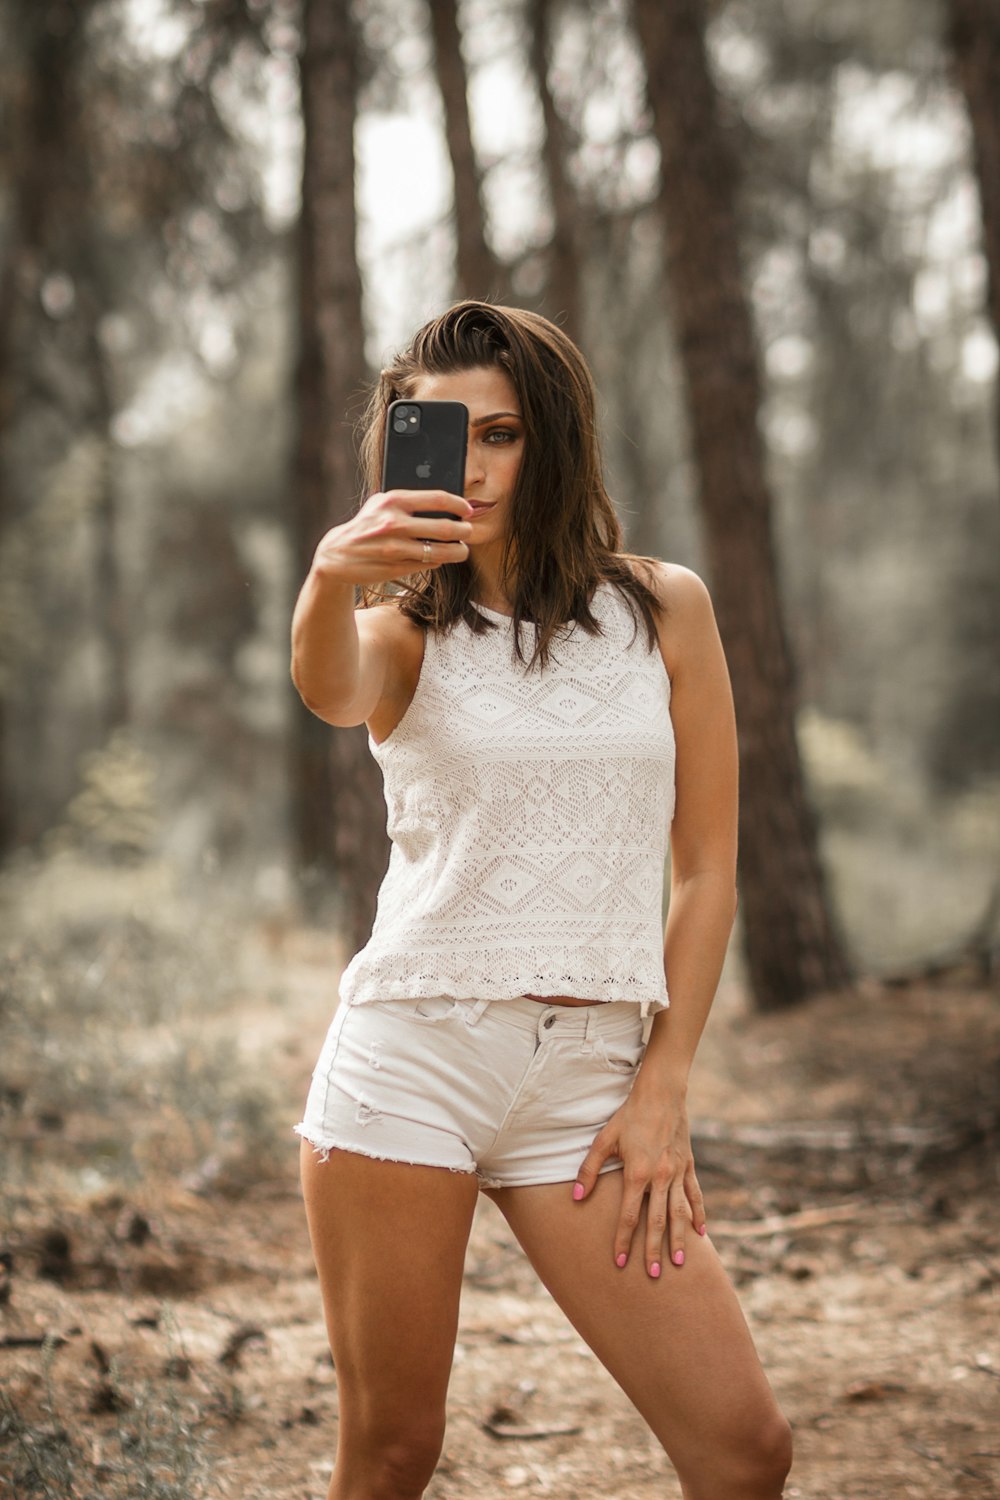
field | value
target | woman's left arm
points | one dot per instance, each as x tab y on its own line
650	1132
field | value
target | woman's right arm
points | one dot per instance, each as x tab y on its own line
340	655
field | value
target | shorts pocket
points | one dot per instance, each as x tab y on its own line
425	1010
620	1055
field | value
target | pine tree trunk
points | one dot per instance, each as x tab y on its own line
478	271
974	33
110	606
791	946
50	233
338	810
13	267
562	292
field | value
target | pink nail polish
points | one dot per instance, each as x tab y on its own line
654	1269
620	1261
578	1190
703	1229
678	1257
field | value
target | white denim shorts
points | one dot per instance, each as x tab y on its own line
512	1090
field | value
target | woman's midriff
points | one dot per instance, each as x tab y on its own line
560	1000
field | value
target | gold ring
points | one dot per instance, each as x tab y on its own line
427	554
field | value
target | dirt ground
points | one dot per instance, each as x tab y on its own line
848	1157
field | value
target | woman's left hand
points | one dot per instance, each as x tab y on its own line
652	1138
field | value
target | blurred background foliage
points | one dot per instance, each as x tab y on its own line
151	159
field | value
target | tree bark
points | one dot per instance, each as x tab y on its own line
791	946
52	234
562	300
479	273
974	35
337	798
14	265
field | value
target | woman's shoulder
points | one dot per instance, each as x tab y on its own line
684	612
674	585
398	637
386	620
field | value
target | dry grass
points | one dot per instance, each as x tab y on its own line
119	1054
154	1450
122	1070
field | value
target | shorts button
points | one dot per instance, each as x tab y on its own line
549	1021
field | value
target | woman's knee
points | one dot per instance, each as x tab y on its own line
774	1450
406	1466
764	1459
392	1462
752	1465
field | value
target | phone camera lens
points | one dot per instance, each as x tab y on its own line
406	419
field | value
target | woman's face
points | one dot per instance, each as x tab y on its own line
495	448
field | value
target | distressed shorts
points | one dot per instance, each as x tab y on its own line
513	1091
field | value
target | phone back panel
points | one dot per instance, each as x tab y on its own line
433	457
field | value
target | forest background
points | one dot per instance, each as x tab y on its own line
158	394
217	217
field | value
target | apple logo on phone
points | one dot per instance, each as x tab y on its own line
423	471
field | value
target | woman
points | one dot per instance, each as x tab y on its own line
547	711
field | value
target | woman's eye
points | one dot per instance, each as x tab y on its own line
502	435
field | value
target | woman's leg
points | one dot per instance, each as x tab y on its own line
389	1242
678	1346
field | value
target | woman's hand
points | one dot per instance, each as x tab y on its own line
652	1138
385	540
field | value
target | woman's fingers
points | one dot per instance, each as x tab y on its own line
693	1189
407	507
447	534
679	1217
673	1201
656	1227
668	1215
441	552
385	539
601	1148
633	1192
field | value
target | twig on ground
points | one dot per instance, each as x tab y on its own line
806	1218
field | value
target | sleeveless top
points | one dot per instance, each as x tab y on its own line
529	813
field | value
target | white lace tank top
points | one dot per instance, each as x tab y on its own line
529	814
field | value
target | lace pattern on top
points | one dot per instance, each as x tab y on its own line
529	814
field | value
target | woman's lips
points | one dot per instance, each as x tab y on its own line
476	507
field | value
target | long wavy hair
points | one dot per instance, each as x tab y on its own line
564	536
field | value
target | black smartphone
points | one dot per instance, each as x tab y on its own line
425	449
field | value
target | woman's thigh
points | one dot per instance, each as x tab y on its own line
679	1345
389	1242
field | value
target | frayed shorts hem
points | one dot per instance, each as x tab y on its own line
323	1145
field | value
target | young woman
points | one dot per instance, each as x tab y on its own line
547	711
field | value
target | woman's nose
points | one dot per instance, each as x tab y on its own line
474	472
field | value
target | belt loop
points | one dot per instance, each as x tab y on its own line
473	1015
590	1029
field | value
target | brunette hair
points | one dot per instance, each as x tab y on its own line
564	536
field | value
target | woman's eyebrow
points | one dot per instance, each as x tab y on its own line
481	421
